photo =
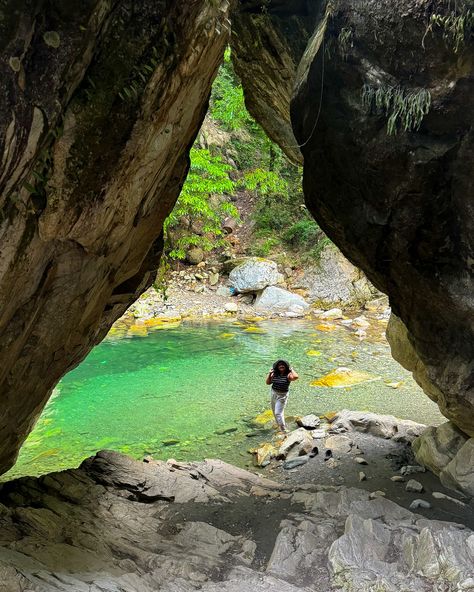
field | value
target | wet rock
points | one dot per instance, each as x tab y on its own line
414	486
295	462
309	422
254	274
332	314
278	300
419	503
170	442
341	444
263	454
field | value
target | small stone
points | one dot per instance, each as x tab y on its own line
376	494
360	460
318	434
199	276
415	486
443	496
213	278
362	476
231	307
201	264
333	314
397	479
295	462
419	503
411	469
332	463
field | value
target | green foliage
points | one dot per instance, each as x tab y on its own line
456	25
208	177
227	100
302	232
264	182
403	108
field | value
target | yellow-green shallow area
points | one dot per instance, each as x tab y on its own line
190	391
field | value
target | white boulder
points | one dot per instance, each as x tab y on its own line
278	300
254	274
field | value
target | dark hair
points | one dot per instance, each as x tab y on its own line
277	363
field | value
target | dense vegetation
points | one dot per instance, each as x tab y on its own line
245	160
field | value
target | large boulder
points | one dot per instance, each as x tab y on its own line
254	274
437	446
278	300
459	473
382	426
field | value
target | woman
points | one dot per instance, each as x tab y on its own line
280	377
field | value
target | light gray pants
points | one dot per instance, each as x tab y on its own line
278	407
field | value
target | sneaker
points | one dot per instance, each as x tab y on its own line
328	454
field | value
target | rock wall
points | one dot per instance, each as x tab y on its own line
397	204
99	105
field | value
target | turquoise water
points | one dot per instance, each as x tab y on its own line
185	383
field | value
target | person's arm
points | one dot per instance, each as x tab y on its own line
292	375
269	377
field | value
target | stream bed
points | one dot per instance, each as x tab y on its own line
191	390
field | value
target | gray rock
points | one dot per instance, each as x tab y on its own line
412	469
309	422
231	307
213	278
397	479
383	426
414	485
360	460
443	496
338	443
362	476
298	443
377	494
437	446
223	291
295	462
419	503
278	300
254	274
459	473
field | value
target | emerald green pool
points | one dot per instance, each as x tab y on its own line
185	384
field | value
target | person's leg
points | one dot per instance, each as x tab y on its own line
279	412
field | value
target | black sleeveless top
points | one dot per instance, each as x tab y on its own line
280	383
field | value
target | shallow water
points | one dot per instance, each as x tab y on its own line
185	383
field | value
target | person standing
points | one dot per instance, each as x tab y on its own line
279	378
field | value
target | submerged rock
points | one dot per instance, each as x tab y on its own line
343	377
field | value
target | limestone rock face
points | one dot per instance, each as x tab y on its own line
334	280
397	205
99	105
116	524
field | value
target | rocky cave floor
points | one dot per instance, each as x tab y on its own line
119	525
